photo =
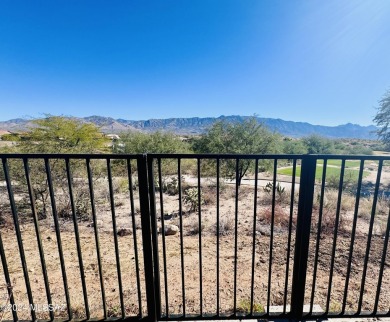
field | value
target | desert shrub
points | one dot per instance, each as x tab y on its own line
209	195
78	311
365	208
329	210
189	166
157	142
81	203
333	182
191	198
244	306
222	185
119	203
226	225
349	181
380	227
348	202
366	203
114	311
193	226
211	182
280	192
119	167
6	218
208	167
102	195
328	222
120	185
229	192
382	206
171	186
335	306
281	217
330	200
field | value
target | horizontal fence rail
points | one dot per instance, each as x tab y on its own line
193	236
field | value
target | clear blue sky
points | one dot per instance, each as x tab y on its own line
323	62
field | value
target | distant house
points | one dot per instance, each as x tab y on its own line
113	136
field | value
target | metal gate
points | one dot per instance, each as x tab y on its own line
285	282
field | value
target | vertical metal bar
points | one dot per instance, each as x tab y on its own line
153	218
163	237
58	236
218	177
149	264
183	290
200	242
335	233
272	234
76	231
384	252
355	216
305	205
95	228
320	212
254	232
235	238
38	235
130	180
289	233
373	211
117	257
7	279
18	236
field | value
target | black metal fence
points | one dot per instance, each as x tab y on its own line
184	237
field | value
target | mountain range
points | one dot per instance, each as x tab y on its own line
198	125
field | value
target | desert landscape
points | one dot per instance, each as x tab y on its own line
194	229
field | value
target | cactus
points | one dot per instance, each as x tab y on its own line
191	198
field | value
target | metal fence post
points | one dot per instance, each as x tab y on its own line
305	205
154	234
147	237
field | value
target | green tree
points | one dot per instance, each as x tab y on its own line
382	119
12	137
318	145
58	134
292	146
247	137
157	142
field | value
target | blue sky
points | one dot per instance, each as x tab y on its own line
323	62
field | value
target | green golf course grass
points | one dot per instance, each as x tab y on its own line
348	163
